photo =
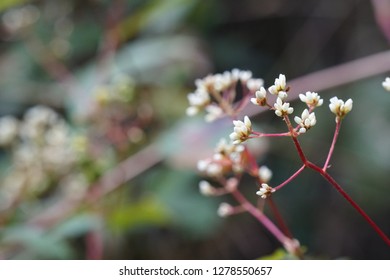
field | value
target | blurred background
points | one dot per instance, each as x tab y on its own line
98	159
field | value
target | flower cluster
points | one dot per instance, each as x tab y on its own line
265	191
231	160
306	121
242	130
215	93
339	108
227	158
42	147
386	84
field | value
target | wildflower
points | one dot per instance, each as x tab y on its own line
210	167
339	108
265	174
225	210
312	99
282	108
198	100
242	130
260	97
254	84
386	84
265	191
279	88
213	112
8	129
241	75
206	188
306	121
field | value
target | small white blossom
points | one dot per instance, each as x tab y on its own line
260	97
254	84
312	99
241	75
225	210
282	108
265	174
213	112
9	127
265	191
339	108
242	130
279	88
210	168
306	121
198	100
206	188
386	84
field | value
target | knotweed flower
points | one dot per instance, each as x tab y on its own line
206	188
260	97
312	99
265	191
265	174
198	100
306	121
386	84
282	108
279	88
339	108
225	210
242	130
9	127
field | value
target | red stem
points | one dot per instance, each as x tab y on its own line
336	133
350	200
291	178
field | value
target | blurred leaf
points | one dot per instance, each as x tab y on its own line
35	244
75	226
6	4
148	211
190	211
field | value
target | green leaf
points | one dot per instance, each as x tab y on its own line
147	211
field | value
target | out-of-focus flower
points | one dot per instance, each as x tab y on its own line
9	127
386	84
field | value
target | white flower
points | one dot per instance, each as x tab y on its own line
261	98
206	188
225	210
8	129
312	99
213	112
242	130
279	88
306	121
198	100
265	174
386	84
339	108
282	108
241	75
254	84
210	168
265	191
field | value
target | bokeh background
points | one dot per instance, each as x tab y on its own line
109	172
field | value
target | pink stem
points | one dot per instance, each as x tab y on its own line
263	219
291	178
336	133
259	134
350	200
